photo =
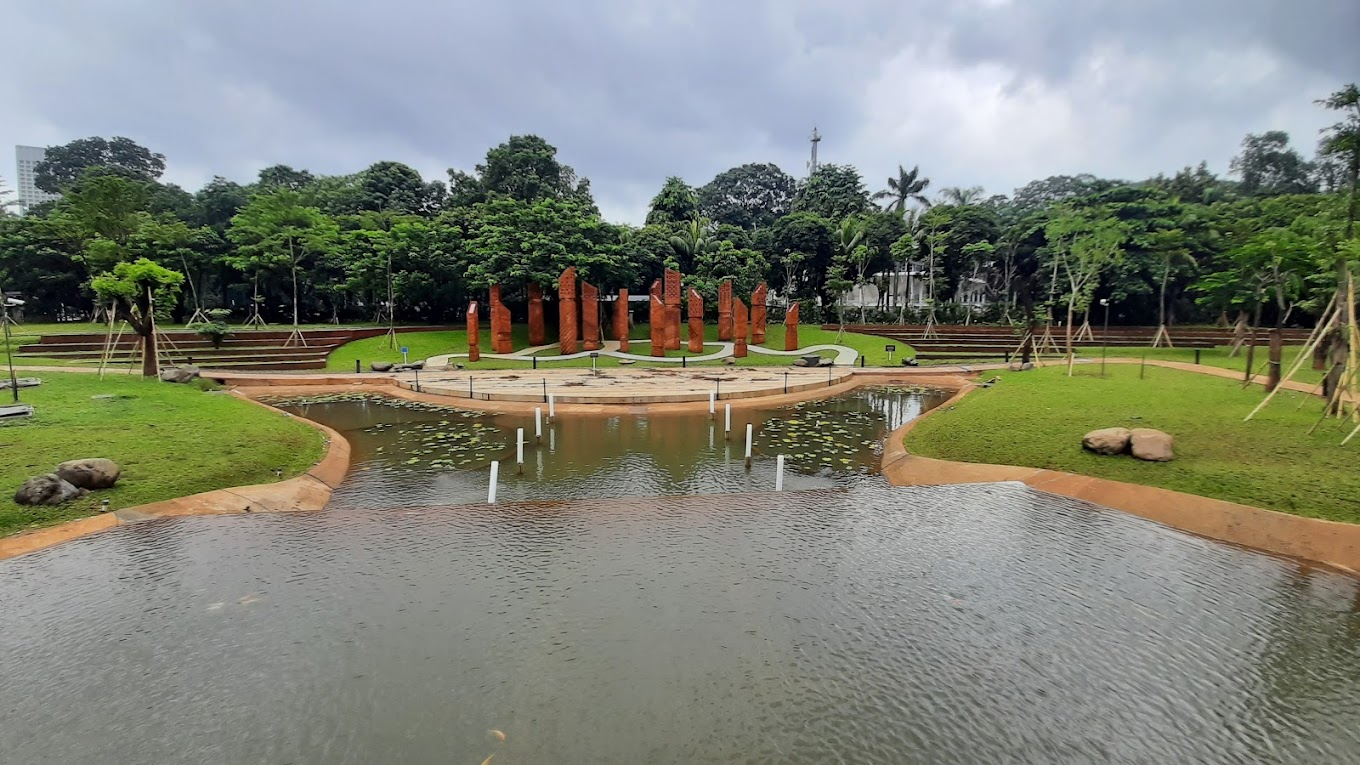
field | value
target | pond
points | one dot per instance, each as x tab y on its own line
618	615
414	453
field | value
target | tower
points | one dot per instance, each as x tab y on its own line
816	138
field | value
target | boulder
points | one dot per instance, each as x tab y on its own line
803	362
1107	441
184	374
91	473
811	361
730	361
826	362
380	366
1014	366
48	489
1028	365
910	362
1151	445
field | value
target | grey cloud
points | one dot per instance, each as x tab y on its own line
629	92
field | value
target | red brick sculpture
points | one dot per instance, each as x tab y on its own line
758	314
739	322
474	333
500	323
566	311
696	322
791	328
672	296
538	334
725	310
590	317
658	320
621	320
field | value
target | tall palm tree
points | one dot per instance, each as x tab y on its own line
692	243
956	195
906	187
853	258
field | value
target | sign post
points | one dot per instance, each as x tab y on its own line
891	349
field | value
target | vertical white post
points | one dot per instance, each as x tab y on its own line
552	407
519	450
727	427
538	424
779	473
712	405
750	430
491	490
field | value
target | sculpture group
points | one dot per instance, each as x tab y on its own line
578	325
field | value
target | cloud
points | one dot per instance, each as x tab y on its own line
984	92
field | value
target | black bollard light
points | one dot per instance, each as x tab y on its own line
357	371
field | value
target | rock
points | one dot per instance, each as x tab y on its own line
1151	445
47	489
811	361
184	374
730	361
627	362
826	362
1107	441
1014	366
413	366
1028	365
380	366
800	362
912	362
91	473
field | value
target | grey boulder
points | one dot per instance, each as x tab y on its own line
1151	445
1107	440
182	374
91	473
380	366
48	489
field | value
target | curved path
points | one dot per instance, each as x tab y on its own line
844	356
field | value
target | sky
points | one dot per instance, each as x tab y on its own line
990	93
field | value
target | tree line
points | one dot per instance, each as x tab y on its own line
384	243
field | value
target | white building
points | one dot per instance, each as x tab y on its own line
910	287
27	159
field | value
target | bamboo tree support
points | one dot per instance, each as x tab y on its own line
110	342
1239	334
1084	333
1162	336
1319	332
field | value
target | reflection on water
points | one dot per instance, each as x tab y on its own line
408	454
961	624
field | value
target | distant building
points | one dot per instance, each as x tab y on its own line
27	159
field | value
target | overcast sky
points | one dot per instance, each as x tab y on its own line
978	92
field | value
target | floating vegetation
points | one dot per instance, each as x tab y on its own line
300	402
436	446
818	435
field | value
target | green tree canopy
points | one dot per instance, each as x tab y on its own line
749	196
675	203
63	165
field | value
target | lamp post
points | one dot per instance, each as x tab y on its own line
1104	335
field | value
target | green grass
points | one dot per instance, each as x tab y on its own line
423	345
1218	357
170	440
1037	419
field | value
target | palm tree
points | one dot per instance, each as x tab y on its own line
955	195
851	257
906	187
693	242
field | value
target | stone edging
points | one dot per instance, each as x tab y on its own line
307	492
1331	543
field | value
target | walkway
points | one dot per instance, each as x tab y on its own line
844	356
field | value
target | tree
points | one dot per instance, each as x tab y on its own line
6	204
1342	140
1268	166
523	168
1054	189
137	286
746	268
397	188
675	203
276	231
751	196
107	206
957	195
852	260
64	165
277	177
512	242
906	187
692	243
217	202
811	235
1084	246
833	192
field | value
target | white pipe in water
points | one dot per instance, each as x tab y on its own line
519	450
491	490
727	427
750	430
779	473
538	424
712	402
552	407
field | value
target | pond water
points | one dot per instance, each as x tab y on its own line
410	453
849	622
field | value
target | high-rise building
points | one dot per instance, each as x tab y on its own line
27	159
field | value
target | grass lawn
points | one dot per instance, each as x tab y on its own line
1218	357
1037	419
422	345
170	440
